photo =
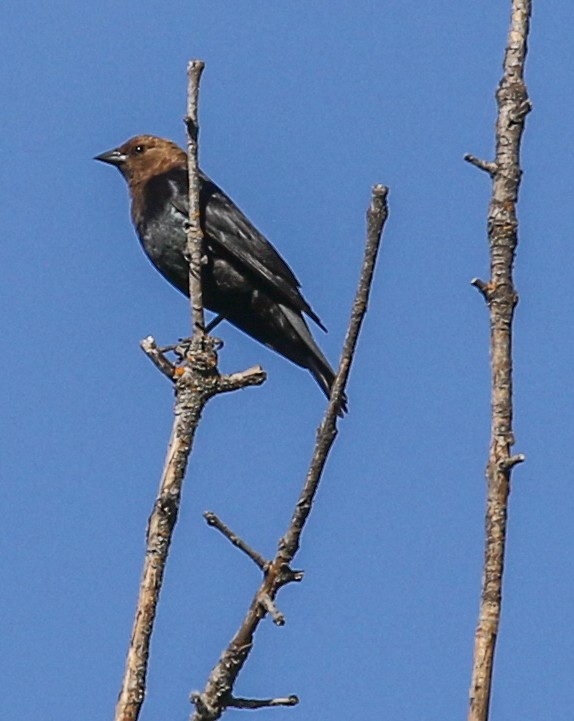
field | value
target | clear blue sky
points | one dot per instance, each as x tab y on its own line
304	106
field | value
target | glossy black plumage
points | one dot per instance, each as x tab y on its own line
244	279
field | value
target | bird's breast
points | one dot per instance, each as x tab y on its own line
163	239
227	287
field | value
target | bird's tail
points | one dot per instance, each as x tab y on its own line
315	361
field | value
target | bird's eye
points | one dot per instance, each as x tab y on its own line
139	149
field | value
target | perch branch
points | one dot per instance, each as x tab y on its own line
499	292
194	233
218	692
196	380
195	384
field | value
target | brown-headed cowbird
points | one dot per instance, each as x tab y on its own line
244	279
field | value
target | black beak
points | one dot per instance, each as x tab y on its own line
112	157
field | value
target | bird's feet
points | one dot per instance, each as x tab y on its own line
195	344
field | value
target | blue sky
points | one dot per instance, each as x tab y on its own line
303	107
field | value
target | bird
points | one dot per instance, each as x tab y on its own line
244	279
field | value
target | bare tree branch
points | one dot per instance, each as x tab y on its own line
215	522
196	380
195	384
218	692
157	357
489	168
376	217
501	297
249	703
269	605
194	233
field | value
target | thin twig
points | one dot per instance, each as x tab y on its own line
157	357
484	288
257	558
269	605
218	692
485	165
253	376
194	232
513	106
376	217
255	703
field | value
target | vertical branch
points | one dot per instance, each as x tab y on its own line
195	383
376	218
501	297
218	693
194	233
161	524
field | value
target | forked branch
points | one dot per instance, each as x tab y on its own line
196	380
218	692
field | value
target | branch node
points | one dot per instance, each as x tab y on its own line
488	166
267	603
284	574
521	111
509	463
216	522
203	708
291	576
486	289
191	349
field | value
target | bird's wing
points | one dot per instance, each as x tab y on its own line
228	228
